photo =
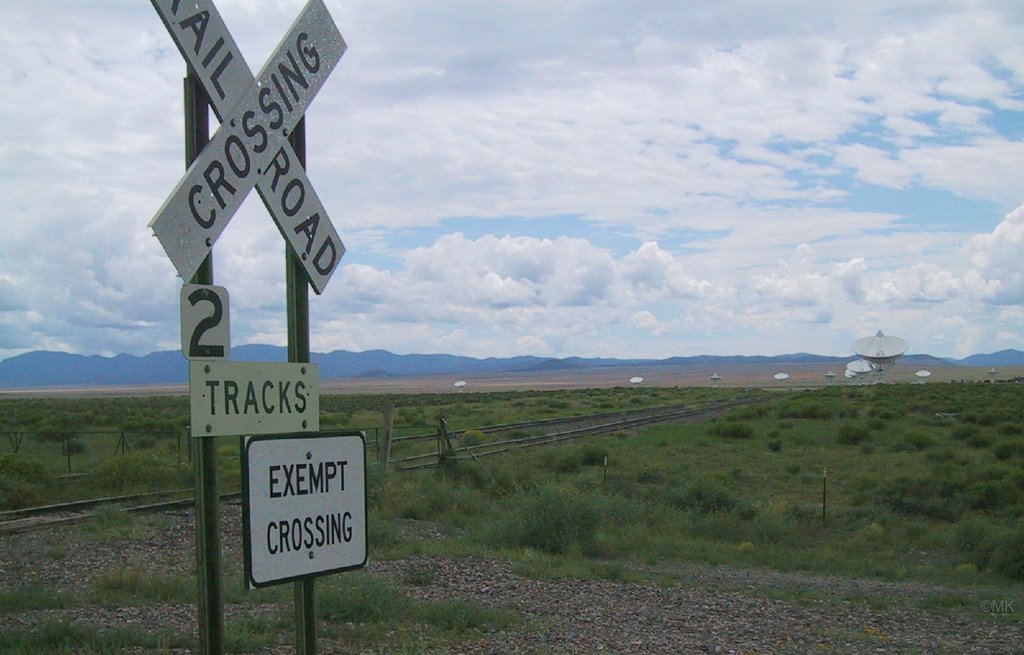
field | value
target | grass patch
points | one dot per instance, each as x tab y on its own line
63	638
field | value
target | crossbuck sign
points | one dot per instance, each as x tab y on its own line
251	146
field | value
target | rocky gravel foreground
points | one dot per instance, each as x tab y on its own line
698	609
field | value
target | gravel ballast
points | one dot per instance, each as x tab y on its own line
684	609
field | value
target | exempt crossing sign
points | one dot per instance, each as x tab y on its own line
303	506
250	148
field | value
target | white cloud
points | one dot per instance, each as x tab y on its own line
715	154
997	262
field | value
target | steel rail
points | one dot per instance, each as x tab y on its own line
39	522
431	460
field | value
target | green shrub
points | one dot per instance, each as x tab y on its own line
851	434
701	497
1008	555
1007	449
573	459
733	430
916	440
471	438
141	471
807	410
72	446
979	440
964	432
930	497
548	520
22	483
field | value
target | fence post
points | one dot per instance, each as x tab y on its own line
824	492
384	441
67	451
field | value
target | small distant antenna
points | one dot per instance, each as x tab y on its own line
715	377
781	376
829	377
459	384
922	375
636	380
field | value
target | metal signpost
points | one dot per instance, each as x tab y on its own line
261	143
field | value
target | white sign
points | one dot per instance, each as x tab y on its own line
304	506
249	146
205	333
206	44
253	397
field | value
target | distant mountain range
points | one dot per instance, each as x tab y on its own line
54	369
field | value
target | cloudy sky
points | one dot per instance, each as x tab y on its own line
593	178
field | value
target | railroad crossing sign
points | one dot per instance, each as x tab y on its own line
251	146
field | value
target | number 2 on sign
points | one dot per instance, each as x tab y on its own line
205	333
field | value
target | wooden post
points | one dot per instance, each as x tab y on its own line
384	449
824	492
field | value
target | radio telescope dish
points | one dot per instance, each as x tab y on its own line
880	351
859	366
849	374
923	373
636	380
459	384
781	376
715	376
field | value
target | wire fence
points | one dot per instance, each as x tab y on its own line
73	452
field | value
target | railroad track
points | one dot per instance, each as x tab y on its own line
78	511
547	431
564	429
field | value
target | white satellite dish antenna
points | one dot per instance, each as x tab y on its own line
849	374
715	377
636	380
880	351
781	376
459	384
923	373
859	366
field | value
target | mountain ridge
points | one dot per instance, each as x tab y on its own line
40	368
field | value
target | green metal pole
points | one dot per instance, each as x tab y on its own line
297	285
207	516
